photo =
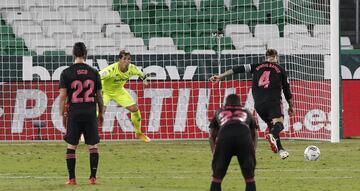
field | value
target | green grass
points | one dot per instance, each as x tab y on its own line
177	165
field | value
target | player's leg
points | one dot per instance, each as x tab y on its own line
263	111
221	160
91	135
72	137
277	121
245	152
125	100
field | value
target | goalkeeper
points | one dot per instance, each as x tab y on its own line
113	79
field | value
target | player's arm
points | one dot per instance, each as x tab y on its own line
253	127
287	92
214	129
142	75
63	96
99	100
239	69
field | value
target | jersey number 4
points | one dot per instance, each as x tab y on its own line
264	79
79	86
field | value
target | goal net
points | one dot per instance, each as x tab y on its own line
184	42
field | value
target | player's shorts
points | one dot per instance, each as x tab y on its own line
270	110
121	97
234	141
88	128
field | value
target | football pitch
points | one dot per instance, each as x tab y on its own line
177	166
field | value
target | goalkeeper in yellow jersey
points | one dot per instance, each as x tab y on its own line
113	79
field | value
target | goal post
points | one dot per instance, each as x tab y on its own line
184	43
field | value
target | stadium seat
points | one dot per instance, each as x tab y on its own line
9	5
78	18
37	6
206	29
106	17
21	52
282	45
102	46
225	44
68	6
251	45
133	45
95	5
175	4
271	11
87	32
154	4
161	44
41	45
175	29
166	16
203	51
193	43
134	16
59	32
19	18
295	31
322	31
54	53
240	4
12	44
49	18
266	31
29	31
67	44
310	45
119	32
237	52
237	29
345	43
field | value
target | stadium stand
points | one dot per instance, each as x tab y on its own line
188	23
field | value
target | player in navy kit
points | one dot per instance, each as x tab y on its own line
233	133
269	79
80	90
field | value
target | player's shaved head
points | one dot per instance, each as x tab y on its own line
79	50
232	100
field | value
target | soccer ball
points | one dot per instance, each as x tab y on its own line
312	153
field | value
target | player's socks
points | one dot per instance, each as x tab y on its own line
278	127
71	161
94	160
250	186
215	186
136	120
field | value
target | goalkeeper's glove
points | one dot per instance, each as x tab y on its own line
145	79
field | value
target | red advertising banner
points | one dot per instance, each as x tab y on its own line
351	107
170	110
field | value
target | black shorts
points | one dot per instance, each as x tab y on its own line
270	110
88	128
234	141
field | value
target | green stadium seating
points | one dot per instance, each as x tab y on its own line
189	44
5	30
121	5
271	11
54	53
166	16
21	52
175	29
225	44
240	4
183	4
153	4
16	43
132	16
211	3
205	30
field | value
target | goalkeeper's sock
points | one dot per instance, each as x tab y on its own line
71	161
136	120
94	160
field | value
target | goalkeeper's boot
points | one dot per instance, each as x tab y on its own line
283	154
272	142
71	181
92	180
143	137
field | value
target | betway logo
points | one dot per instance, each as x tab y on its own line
160	73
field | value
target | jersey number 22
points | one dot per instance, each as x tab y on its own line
79	86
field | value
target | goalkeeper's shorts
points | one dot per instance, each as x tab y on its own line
122	98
